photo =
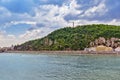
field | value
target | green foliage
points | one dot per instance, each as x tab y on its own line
69	38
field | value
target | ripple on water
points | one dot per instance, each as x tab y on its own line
59	67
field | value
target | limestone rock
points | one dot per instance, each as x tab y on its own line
108	49
117	49
101	40
112	42
101	48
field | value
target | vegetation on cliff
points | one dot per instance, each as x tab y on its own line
68	38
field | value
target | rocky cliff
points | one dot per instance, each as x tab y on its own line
109	42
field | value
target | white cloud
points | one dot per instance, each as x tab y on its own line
31	34
71	8
52	16
87	22
6	40
98	10
19	22
11	36
114	22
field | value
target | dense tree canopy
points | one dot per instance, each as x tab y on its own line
68	38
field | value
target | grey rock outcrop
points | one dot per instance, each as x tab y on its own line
112	42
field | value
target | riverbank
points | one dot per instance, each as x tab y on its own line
65	52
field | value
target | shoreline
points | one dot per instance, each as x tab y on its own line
66	52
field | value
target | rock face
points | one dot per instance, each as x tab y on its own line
108	49
103	48
99	48
117	49
101	41
112	42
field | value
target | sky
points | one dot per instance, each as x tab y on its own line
24	20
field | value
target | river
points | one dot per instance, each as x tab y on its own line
59	67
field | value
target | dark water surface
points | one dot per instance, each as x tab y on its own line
59	67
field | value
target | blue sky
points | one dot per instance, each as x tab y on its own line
23	20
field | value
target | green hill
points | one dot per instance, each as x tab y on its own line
69	38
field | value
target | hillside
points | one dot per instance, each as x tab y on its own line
69	38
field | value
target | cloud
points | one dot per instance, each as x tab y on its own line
98	10
31	34
45	16
87	22
53	15
34	34
4	12
19	22
6	40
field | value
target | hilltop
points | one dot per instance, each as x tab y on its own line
69	38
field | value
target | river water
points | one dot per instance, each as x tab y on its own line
59	67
